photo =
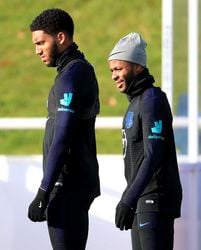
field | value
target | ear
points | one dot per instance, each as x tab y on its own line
61	37
139	68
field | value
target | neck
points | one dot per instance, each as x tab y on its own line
140	82
67	55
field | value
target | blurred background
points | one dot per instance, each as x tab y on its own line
25	83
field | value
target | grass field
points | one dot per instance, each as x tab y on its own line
25	81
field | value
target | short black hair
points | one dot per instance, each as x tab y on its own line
53	21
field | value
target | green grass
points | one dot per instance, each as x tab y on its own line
21	142
17	142
25	81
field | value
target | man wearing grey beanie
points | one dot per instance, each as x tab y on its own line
152	198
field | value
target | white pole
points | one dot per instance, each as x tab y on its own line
193	114
167	38
193	81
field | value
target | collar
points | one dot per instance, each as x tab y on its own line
68	55
139	84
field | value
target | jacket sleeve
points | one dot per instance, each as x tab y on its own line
67	102
154	120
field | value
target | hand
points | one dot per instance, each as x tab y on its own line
124	216
38	206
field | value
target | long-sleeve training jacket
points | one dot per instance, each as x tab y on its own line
151	169
69	147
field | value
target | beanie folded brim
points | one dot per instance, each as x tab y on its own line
128	57
130	48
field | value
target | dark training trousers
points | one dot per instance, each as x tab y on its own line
152	231
67	223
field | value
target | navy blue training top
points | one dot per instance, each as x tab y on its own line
151	170
69	147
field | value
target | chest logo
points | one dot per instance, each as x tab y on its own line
66	101
129	119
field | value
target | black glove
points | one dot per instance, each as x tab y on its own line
124	216
37	208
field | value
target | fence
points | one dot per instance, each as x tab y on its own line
101	123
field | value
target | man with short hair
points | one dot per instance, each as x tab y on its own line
152	199
70	168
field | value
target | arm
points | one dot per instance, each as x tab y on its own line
153	117
66	99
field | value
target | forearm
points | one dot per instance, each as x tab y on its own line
58	151
138	185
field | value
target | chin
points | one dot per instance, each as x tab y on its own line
50	64
122	90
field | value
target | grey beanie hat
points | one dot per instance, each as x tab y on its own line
130	48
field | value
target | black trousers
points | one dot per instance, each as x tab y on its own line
67	222
152	231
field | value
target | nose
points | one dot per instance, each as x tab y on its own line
114	76
38	50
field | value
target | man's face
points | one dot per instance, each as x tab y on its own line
122	73
46	47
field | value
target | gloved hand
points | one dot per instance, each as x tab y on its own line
38	206
124	216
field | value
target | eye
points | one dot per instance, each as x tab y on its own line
40	43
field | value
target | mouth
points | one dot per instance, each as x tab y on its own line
119	84
43	59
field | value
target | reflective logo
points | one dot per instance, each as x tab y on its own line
124	142
144	224
129	119
149	201
67	99
40	204
157	129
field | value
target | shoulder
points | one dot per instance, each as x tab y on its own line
77	65
154	99
152	95
76	70
153	92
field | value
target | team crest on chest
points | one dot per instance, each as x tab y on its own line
129	119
